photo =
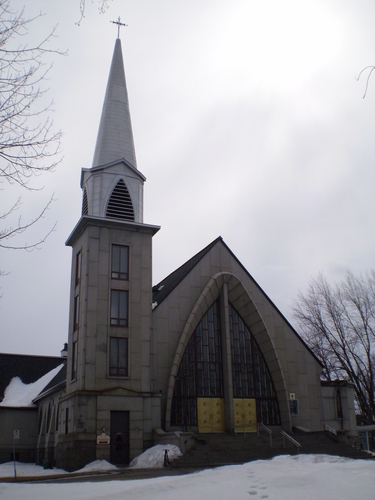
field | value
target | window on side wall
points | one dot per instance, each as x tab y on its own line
74	360
76	312
57	418
120	262
118	357
66	420
293	405
78	268
119	308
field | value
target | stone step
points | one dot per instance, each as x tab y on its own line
222	449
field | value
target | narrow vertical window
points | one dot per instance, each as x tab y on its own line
85	204
57	418
66	420
120	262
49	417
40	419
74	360
118	357
76	312
339	404
78	267
119	308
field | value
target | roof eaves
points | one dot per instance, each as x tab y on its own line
99	168
86	220
56	388
57	383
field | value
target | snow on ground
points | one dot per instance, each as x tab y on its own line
19	394
153	458
306	477
30	470
26	470
98	466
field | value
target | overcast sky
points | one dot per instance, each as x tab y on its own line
248	123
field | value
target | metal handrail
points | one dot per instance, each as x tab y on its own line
296	443
267	429
354	442
330	429
239	430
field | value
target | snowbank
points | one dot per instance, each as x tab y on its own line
98	466
26	470
32	470
153	458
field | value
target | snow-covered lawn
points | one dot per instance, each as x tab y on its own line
301	477
26	470
32	470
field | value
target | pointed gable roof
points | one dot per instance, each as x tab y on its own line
165	287
115	136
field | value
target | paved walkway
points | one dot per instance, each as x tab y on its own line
123	474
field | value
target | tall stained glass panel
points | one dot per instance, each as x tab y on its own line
201	371
251	377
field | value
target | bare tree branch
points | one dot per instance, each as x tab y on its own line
102	7
10	232
29	145
338	324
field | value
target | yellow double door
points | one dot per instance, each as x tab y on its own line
245	415
211	416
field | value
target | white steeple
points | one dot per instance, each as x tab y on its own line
113	186
115	136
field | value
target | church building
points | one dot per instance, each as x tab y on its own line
205	350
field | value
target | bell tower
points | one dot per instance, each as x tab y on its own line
110	409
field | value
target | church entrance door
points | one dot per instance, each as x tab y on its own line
245	415
211	415
120	437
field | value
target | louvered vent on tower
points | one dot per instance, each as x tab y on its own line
85	204
120	204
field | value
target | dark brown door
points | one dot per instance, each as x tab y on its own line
120	437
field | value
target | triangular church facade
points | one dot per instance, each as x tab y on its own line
205	350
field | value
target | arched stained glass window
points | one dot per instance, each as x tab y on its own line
250	374
120	205
200	373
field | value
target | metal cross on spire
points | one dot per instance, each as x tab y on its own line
118	25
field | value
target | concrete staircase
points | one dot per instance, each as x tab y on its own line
212	450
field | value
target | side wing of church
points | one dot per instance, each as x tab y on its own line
205	350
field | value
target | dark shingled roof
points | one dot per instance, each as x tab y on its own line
27	368
57	382
165	287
